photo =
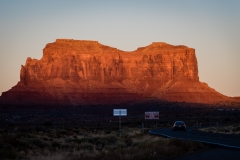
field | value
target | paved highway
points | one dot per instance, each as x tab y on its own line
223	140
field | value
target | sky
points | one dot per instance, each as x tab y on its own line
211	27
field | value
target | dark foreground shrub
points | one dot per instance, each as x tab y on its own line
86	146
47	123
184	146
38	142
235	129
56	144
7	154
151	150
111	139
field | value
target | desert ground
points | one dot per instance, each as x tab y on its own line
92	132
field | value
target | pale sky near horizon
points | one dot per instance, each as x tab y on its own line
211	27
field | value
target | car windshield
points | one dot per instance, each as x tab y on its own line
179	123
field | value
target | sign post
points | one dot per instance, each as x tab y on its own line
120	112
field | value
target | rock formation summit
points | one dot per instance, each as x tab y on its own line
79	72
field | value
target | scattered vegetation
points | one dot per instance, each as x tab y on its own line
78	143
230	129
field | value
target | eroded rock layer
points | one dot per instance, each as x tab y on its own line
78	72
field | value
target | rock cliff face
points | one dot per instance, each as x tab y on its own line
78	72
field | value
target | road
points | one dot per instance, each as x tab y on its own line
228	145
212	154
223	140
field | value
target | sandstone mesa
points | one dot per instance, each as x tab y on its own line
80	72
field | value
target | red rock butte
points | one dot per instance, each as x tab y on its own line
81	72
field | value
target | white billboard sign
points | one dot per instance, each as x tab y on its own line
120	112
151	115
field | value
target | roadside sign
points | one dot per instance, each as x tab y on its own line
119	112
151	115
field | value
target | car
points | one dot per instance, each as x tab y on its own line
179	125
